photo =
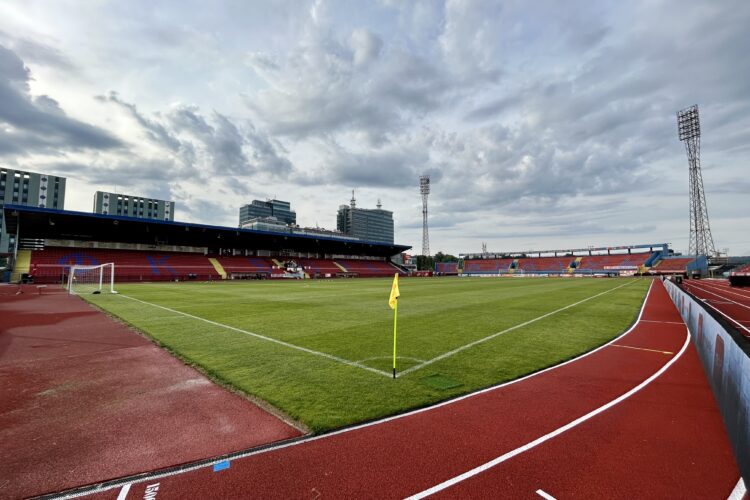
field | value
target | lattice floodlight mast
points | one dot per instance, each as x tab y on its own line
424	188
689	131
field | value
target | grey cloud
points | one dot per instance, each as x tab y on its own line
37	52
39	124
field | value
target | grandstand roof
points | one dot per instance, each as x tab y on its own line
45	223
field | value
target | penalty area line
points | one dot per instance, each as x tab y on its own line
515	327
330	357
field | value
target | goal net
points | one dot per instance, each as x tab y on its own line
92	279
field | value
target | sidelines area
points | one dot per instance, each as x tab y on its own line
438	443
359	364
126	485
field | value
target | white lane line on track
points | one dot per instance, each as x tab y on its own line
520	325
727	316
642	349
734	291
268	339
739	491
521	449
124	491
712	290
191	468
545	495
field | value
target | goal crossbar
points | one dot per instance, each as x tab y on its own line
91	279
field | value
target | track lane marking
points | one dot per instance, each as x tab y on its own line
497	334
268	339
726	315
642	348
144	477
665	322
545	495
725	289
560	430
739	491
124	491
707	290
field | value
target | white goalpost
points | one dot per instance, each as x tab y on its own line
92	279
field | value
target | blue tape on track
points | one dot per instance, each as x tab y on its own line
221	465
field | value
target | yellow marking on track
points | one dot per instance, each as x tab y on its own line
641	348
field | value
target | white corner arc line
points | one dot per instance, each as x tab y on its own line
545	495
268	339
560	430
124	491
385	420
497	334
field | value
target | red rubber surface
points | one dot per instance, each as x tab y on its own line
733	302
84	399
665	441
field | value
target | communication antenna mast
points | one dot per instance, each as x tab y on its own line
689	131
424	188
484	248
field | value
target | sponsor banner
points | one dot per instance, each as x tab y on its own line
626	268
727	366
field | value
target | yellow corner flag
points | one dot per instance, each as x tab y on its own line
393	302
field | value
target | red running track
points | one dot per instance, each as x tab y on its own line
731	302
84	399
665	440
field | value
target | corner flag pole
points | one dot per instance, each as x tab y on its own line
395	319
393	303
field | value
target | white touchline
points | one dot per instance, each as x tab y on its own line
250	453
545	495
268	339
124	491
521	449
490	337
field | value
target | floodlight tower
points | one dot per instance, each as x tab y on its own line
689	131
424	188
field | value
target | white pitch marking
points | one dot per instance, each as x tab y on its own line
269	339
545	495
521	449
124	491
385	420
520	325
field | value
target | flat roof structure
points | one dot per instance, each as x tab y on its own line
45	223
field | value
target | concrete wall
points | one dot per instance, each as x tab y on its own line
725	355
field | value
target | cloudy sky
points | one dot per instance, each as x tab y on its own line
542	124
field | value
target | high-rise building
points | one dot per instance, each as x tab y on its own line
280	210
27	188
365	223
133	206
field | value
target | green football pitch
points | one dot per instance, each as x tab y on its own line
321	351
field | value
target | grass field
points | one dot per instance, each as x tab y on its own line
332	367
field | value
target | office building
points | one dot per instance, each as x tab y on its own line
365	223
27	188
133	206
280	210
